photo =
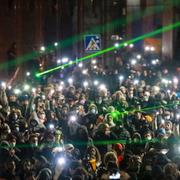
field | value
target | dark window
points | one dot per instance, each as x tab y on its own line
32	5
11	5
54	6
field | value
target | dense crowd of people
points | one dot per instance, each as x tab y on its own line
93	123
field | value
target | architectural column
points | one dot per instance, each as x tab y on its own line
80	26
148	21
19	27
133	27
106	31
58	24
57	8
18	67
39	23
167	37
129	18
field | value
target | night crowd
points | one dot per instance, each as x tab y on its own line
91	122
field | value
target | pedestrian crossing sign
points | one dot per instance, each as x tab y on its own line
92	43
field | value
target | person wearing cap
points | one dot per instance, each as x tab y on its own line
161	133
111	109
69	148
26	102
12	140
65	109
12	99
45	173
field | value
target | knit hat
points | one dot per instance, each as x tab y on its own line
45	173
69	147
4	144
111	109
92	106
118	147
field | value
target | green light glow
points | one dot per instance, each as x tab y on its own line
81	143
98	29
104	142
150	34
117	113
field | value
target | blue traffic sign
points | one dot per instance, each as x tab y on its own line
92	43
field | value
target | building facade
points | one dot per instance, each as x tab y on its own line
43	22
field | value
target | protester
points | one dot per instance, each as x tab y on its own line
95	124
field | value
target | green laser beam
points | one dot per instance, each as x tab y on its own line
83	143
117	113
150	34
102	142
74	39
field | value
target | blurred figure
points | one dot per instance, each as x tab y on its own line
11	57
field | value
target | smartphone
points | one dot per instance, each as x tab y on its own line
164	151
115	176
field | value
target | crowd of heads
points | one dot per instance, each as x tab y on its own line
93	122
